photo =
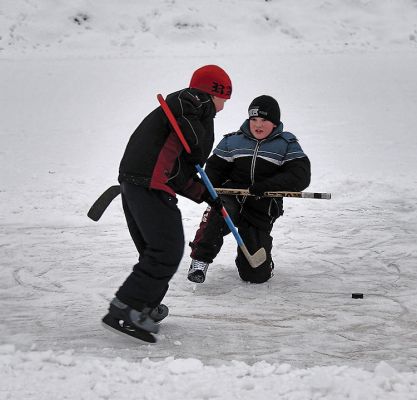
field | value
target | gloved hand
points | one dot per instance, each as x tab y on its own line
216	204
257	189
196	157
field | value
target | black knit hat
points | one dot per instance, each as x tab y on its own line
265	107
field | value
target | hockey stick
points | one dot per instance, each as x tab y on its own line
254	260
100	205
303	195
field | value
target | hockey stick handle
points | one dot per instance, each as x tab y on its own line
173	122
214	196
303	195
260	256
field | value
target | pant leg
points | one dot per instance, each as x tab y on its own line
155	224
254	239
208	239
133	228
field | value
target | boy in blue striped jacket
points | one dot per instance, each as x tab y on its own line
261	157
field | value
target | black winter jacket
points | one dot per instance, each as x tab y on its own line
273	164
154	157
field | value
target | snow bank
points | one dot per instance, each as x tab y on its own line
58	27
67	375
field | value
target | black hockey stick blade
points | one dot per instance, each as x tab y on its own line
101	204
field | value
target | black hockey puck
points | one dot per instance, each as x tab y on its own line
357	295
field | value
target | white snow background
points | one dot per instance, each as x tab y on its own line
76	79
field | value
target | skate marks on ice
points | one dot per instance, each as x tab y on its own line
365	246
51	283
296	327
305	315
57	281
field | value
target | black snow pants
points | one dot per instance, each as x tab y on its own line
209	240
155	225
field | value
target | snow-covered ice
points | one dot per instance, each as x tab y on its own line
76	79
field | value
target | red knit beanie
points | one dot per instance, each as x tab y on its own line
213	80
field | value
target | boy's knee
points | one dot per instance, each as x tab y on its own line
175	253
169	254
255	277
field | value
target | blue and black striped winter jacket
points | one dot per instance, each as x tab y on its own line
275	163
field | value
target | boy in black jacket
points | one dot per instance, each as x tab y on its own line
260	156
154	168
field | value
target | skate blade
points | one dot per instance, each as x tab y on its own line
113	325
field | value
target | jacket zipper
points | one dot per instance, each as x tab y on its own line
255	155
252	174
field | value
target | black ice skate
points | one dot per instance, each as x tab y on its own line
138	324
197	271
